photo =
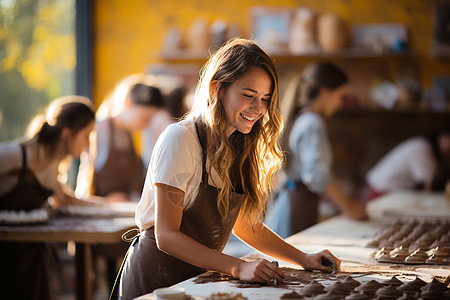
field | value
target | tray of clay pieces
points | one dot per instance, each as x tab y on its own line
413	243
21	217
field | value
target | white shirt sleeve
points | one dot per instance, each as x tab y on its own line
309	143
176	161
173	162
422	163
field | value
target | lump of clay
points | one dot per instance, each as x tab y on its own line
393	281
436	285
357	296
226	296
408	296
312	289
292	295
399	253
418	256
328	296
390	292
338	288
430	293
350	282
437	255
369	288
412	286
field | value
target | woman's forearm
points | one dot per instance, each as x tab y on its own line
185	248
268	242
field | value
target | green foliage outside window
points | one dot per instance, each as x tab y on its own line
37	59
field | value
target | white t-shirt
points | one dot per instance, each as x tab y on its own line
176	161
408	164
311	152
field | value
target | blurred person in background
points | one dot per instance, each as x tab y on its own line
175	107
30	173
311	97
418	163
114	169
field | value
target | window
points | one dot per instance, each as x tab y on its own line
37	59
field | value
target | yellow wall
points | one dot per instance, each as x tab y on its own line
128	34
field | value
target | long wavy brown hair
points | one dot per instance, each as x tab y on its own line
261	157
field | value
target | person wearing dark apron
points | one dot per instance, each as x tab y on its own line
123	170
311	97
211	173
152	268
16	279
28	177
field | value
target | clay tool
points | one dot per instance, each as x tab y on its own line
275	281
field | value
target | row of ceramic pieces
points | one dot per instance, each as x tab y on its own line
437	256
424	235
392	289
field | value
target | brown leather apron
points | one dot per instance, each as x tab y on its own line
123	170
147	268
24	266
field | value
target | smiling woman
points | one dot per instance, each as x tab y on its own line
211	173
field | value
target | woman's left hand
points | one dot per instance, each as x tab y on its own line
323	261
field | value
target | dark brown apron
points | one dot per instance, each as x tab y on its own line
304	207
123	170
304	203
147	268
28	193
24	266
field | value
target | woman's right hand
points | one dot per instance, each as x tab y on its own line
260	270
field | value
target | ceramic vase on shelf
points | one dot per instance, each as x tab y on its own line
302	35
331	32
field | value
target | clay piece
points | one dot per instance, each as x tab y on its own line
412	286
433	294
350	282
357	296
390	292
328	296
226	296
369	288
436	285
393	282
408	296
338	288
312	289
437	255
417	257
292	295
411	243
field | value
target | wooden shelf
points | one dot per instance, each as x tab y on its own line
349	53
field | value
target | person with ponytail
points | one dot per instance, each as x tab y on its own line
30	169
311	97
211	173
114	169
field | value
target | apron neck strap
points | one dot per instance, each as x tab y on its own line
201	132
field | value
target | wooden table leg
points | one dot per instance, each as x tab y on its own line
83	258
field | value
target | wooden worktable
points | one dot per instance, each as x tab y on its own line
84	231
347	239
